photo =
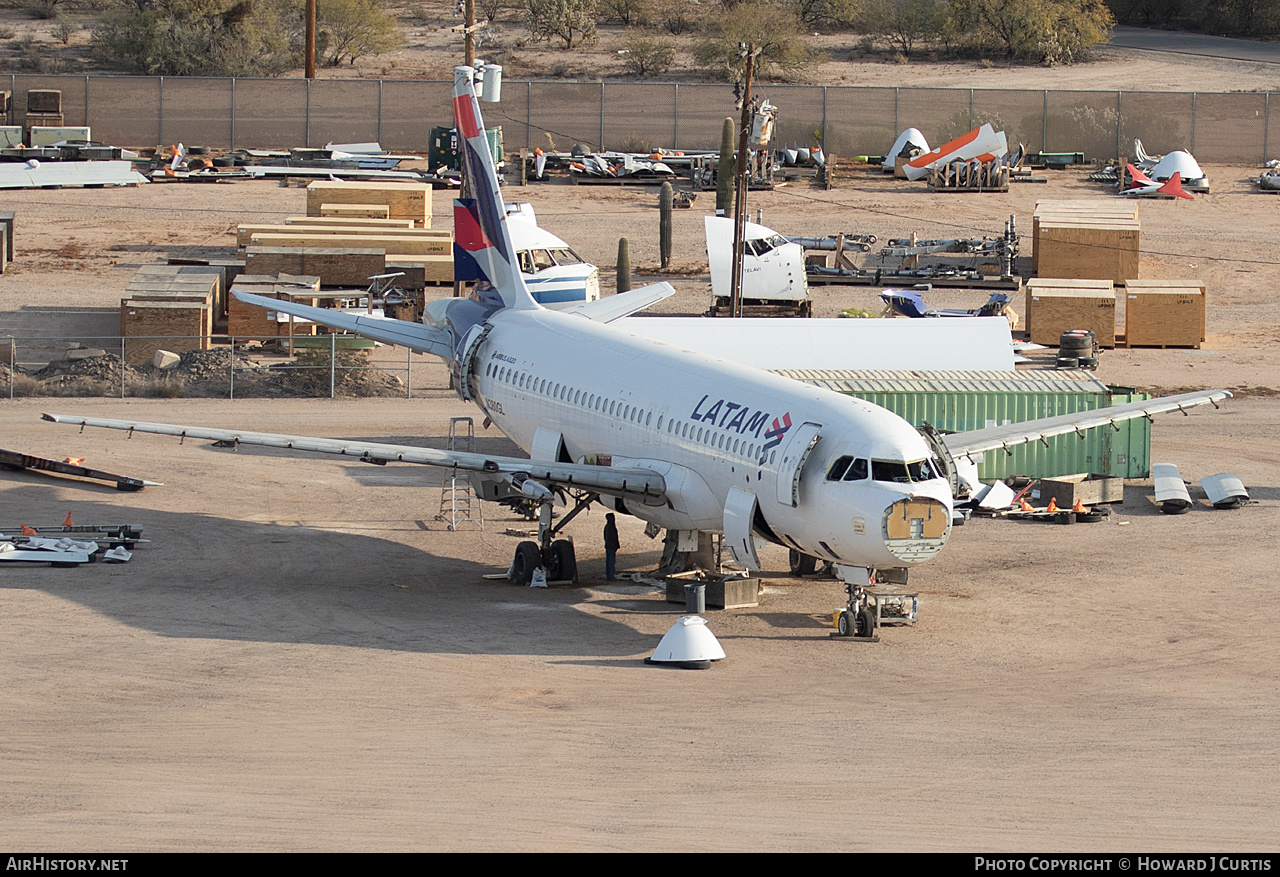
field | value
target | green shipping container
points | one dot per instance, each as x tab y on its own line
960	401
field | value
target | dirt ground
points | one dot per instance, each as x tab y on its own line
304	659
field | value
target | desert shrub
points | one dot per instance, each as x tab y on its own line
770	25
64	29
573	21
350	29
646	54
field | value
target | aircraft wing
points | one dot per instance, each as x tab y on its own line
598	479
979	441
615	307
415	336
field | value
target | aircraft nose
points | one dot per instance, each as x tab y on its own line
916	528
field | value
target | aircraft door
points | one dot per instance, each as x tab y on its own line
791	462
463	368
739	513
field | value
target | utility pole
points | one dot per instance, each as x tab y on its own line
469	58
740	194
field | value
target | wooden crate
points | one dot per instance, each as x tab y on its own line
44	100
367	211
148	326
42	120
335	266
431	269
1089	249
347	222
434	244
250	321
402	200
1049	283
321	235
1078	210
184	277
1164	313
1053	311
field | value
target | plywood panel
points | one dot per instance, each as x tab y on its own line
1055	311
403	200
1164	316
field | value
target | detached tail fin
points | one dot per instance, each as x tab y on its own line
1136	176
487	240
1174	187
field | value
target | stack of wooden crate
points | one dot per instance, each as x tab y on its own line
167	308
348	250
44	109
1086	239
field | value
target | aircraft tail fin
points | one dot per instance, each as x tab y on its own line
1136	176
1174	188
486	239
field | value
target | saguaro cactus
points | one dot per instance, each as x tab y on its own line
624	265
666	205
724	170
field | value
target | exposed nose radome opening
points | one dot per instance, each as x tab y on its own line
916	528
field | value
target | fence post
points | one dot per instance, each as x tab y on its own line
160	115
13	344
306	137
602	149
971	109
528	116
675	121
896	126
1044	124
231	370
1119	123
233	112
86	100
825	149
333	360
408	372
122	361
1266	123
379	111
1193	123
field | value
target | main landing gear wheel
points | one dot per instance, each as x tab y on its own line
527	559
801	564
845	626
866	623
564	564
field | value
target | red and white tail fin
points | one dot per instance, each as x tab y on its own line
1136	176
1174	187
489	242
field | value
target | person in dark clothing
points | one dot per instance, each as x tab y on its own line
611	546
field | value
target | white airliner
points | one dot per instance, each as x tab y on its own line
676	438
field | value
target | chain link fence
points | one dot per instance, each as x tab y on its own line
846	120
312	366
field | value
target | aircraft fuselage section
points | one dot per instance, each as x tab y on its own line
710	426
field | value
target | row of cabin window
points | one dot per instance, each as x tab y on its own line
525	381
522	380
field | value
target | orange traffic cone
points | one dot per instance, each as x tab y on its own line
28	531
67	522
1079	507
1053	505
1025	506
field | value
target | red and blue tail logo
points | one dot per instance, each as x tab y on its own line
483	246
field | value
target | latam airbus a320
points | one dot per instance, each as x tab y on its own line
676	438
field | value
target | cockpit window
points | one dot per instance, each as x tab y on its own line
902	473
847	469
565	256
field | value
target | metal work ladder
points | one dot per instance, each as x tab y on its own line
459	505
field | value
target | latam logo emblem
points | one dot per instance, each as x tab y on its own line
774	435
